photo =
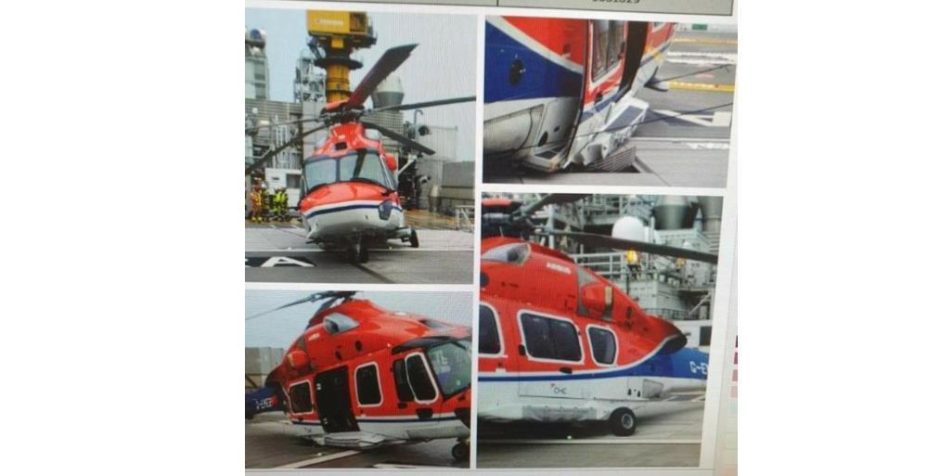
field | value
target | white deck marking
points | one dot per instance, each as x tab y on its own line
321	459
603	441
406	466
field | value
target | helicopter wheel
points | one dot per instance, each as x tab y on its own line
623	422
358	252
461	451
413	239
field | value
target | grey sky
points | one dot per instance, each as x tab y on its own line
280	328
442	66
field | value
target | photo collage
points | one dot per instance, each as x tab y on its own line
487	238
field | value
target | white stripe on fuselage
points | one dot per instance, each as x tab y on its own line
515	33
351	203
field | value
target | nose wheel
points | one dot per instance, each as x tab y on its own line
413	239
358	252
461	451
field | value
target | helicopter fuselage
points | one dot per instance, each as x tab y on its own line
566	89
361	376
351	190
559	343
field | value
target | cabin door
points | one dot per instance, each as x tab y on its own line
333	401
635	48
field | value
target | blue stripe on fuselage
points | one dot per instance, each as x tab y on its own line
543	78
342	209
686	363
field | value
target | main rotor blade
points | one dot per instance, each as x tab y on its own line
277	150
389	62
552	199
591	239
311	299
285	123
398	137
416	105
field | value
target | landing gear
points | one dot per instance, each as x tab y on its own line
461	451
358	252
413	239
623	422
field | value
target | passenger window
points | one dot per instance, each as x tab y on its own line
419	378
489	333
599	47
401	382
367	385
614	43
300	398
551	338
603	345
565	337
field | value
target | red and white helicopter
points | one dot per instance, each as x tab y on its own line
560	343
350	183
360	376
562	92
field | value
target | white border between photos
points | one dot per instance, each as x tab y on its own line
722	331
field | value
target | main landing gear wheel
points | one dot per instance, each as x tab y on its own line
461	451
623	422
413	239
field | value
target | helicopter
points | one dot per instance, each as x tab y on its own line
362	377
561	93
350	198
560	343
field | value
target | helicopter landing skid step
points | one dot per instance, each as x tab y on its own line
353	439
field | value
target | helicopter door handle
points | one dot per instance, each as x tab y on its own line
402	405
424	413
521	349
565	370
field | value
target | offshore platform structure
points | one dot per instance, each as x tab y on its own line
679	290
334	36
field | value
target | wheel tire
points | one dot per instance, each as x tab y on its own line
363	255
413	239
461	452
352	253
623	422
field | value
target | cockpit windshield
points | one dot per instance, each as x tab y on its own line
451	365
362	165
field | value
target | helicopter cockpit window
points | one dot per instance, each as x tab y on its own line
366	166
419	378
514	253
336	323
362	166
547	338
451	365
318	172
603	345
300	398
489	333
367	385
